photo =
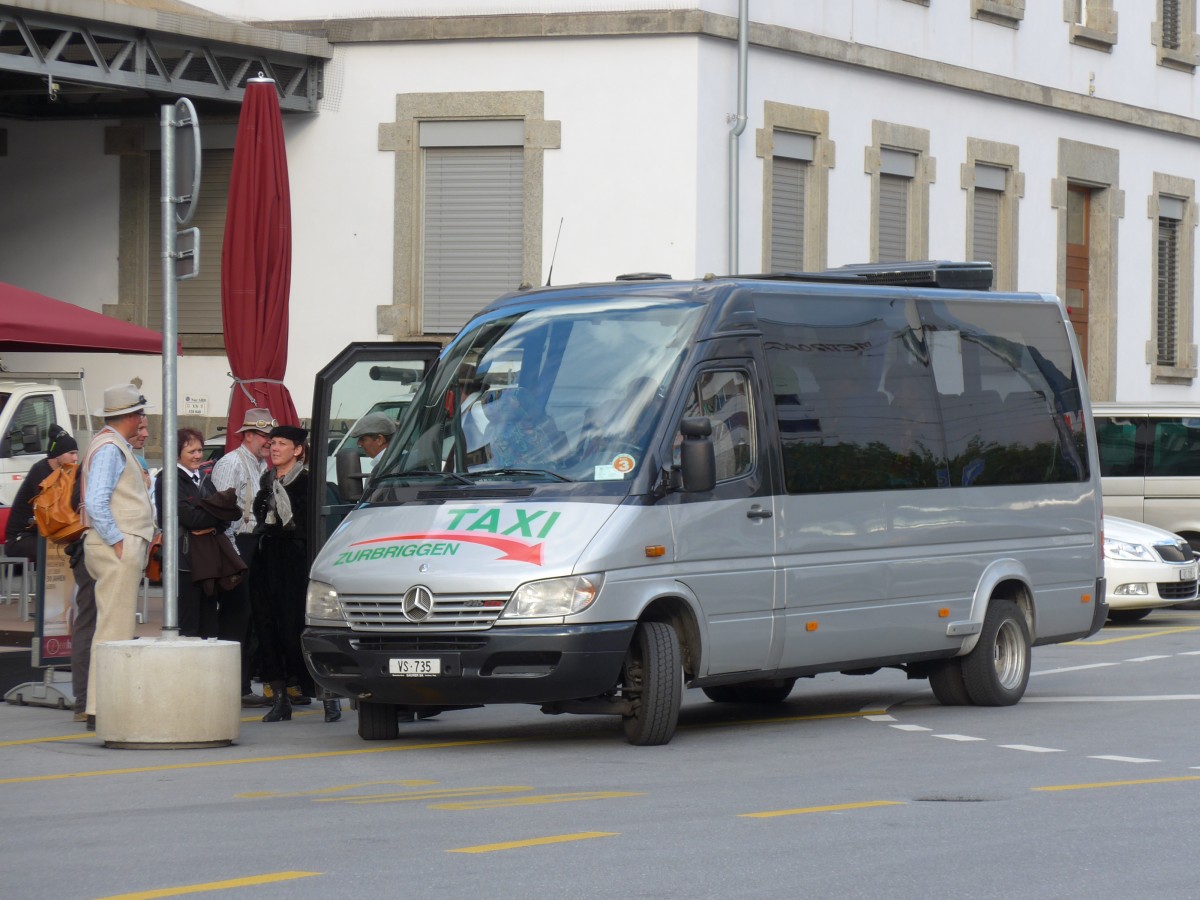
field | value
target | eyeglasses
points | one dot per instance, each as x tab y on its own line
261	424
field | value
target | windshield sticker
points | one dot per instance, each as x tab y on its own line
500	528
606	473
623	463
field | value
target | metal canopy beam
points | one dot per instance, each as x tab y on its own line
59	67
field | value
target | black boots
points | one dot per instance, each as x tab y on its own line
281	707
333	710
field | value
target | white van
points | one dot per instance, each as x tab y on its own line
725	484
1150	464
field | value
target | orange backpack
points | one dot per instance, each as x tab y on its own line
57	518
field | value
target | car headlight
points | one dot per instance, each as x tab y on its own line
321	602
554	597
1115	549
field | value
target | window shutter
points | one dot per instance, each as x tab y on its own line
893	218
1171	24
199	298
1166	300
986	239
472	231
787	214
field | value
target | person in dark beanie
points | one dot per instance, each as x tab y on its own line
280	572
20	534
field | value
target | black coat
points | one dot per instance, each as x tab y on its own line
192	517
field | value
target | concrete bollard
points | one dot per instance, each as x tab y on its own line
169	693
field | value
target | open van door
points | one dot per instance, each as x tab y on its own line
365	377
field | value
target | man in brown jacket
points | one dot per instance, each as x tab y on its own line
120	520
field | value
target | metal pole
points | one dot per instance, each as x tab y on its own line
735	133
170	493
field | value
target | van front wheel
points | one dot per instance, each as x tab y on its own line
997	670
378	721
653	682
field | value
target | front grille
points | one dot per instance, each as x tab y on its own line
1177	590
451	612
1174	553
418	643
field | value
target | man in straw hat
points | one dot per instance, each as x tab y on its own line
120	520
242	469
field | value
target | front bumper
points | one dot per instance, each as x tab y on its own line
536	664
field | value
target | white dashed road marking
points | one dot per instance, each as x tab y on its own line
911	728
1029	748
1145	699
1148	658
1073	669
1128	759
959	737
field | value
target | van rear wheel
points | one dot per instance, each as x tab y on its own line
771	690
378	721
653	682
946	679
997	670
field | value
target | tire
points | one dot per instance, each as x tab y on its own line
378	721
653	681
997	670
946	679
1127	616
772	690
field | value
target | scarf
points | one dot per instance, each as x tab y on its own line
279	504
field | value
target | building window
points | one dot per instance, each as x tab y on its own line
994	187
797	156
1171	352
1174	34
1093	23
468	204
472	218
198	300
901	171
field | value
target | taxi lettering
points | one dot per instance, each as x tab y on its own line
528	524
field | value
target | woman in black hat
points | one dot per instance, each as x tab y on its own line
20	537
279	578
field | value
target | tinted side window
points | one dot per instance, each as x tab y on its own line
1121	452
1176	447
724	398
875	394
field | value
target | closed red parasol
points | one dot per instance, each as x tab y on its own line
256	262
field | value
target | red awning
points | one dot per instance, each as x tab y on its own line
35	322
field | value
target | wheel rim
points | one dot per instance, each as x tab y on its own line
1010	656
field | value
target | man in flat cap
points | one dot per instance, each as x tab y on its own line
242	469
120	520
373	432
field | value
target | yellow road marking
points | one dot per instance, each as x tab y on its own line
1134	637
252	881
538	799
274	795
402	796
48	740
327	754
535	842
815	809
846	715
1108	784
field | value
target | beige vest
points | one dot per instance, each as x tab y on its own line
130	501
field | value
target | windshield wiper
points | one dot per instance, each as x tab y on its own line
424	473
513	470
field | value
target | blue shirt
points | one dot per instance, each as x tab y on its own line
104	470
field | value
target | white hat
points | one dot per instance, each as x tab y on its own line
121	399
258	420
374	423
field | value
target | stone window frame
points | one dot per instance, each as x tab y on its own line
1185	57
1001	156
1100	30
402	318
1184	372
1008	13
1097	168
814	123
906	139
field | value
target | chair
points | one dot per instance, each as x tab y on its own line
15	569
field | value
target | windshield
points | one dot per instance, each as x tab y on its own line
568	392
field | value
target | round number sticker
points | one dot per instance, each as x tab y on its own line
623	463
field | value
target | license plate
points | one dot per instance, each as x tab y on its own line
415	668
1188	574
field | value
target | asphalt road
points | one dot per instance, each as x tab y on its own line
855	787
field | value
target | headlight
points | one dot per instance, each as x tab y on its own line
321	602
554	597
1114	549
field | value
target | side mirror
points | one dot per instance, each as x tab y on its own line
31	438
348	465
697	459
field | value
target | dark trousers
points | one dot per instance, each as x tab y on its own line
240	599
82	630
279	584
